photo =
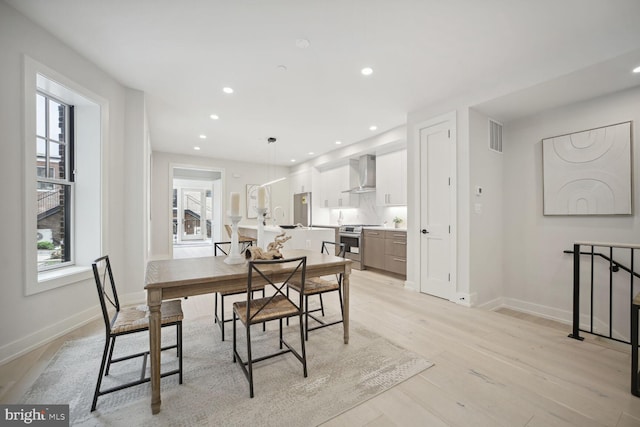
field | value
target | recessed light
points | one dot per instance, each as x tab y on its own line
293	160
636	70
338	142
214	117
367	71
203	136
281	68
374	127
227	90
311	153
196	148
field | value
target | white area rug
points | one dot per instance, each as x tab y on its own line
216	392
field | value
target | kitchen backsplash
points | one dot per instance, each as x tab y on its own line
367	213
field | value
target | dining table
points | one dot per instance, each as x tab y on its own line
185	277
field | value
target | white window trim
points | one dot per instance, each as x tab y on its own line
34	281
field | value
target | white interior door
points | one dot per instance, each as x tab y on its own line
437	210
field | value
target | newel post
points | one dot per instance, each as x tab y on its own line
575	334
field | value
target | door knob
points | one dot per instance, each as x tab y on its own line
424	231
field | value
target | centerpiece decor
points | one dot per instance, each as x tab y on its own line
272	251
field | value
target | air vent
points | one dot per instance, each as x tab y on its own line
495	136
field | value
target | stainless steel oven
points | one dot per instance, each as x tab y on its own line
351	236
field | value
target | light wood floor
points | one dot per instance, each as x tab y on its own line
491	368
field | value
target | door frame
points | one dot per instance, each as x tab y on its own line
414	224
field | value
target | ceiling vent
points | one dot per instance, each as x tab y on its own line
495	136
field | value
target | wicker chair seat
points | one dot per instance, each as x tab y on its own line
315	285
243	291
277	307
137	318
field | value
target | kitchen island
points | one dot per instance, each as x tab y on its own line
301	237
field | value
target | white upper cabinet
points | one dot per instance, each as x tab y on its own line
391	178
333	183
300	182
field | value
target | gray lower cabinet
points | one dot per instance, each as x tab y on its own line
386	250
395	252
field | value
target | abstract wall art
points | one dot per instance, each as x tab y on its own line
588	172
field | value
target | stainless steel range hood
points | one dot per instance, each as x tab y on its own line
366	175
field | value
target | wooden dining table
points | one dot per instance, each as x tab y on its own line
179	278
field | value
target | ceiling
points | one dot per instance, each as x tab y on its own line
183	53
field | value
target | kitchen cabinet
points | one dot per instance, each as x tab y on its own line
386	250
395	252
336	180
300	181
391	178
373	248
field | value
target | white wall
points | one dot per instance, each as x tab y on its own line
537	275
136	160
235	178
485	221
28	321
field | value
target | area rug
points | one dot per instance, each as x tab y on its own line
216	392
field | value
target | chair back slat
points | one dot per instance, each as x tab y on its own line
263	271
223	248
105	284
334	248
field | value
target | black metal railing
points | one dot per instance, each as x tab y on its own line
614	266
633	304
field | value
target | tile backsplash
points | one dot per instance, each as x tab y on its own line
366	213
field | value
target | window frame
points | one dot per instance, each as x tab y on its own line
67	182
90	128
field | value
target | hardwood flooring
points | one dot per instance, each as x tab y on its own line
498	368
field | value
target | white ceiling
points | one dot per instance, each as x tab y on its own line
182	53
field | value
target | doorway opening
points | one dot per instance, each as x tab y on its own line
196	210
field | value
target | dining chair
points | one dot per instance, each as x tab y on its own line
319	286
223	248
129	320
242	238
278	306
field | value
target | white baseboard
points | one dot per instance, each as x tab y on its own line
410	285
47	334
465	299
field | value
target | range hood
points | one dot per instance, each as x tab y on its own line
366	175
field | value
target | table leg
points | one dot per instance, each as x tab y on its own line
345	303
154	300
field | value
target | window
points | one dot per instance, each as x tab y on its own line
64	127
54	172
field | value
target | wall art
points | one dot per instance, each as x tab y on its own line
588	172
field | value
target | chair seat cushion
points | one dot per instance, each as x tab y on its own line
315	285
269	309
137	318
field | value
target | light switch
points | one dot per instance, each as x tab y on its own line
477	208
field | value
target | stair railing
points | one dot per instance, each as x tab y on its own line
634	302
614	266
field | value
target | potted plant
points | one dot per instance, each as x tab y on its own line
397	221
